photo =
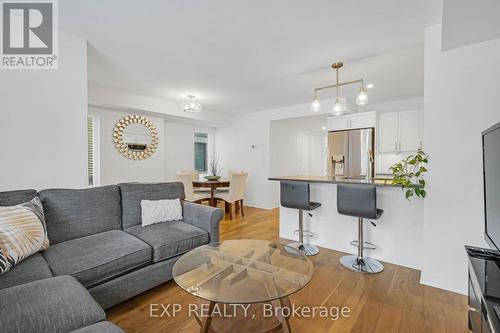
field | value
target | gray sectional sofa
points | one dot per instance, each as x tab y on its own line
99	255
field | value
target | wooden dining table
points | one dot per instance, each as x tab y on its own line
212	184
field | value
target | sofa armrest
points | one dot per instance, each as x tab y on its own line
204	217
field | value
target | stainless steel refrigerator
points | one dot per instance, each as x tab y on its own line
350	153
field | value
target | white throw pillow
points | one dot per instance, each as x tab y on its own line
156	211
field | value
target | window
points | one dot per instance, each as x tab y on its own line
201	152
92	150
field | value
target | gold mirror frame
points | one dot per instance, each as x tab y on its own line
123	148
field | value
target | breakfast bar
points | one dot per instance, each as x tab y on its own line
398	234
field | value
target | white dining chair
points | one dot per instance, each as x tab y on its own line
195	175
187	180
229	174
236	193
231	171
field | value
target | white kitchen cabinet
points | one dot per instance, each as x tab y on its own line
409	130
399	131
363	120
387	132
352	121
338	123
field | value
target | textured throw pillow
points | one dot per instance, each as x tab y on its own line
22	233
155	211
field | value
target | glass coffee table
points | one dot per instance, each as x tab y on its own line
259	274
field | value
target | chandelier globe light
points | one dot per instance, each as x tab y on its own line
338	108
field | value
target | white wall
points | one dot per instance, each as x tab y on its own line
175	151
461	86
43	122
114	167
288	151
291	154
245	146
179	147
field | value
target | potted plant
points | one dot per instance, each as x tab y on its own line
409	174
214	169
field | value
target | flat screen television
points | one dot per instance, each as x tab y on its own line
491	182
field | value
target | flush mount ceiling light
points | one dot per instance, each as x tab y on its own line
338	108
191	104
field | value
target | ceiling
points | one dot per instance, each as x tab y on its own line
241	56
468	22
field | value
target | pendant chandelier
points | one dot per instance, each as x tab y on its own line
338	108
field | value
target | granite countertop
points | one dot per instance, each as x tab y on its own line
382	181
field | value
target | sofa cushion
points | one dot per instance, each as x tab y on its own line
133	193
11	198
71	214
170	239
54	305
102	327
98	258
31	269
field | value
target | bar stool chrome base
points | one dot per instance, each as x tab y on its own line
365	265
307	249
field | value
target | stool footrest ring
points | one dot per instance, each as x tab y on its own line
306	233
366	245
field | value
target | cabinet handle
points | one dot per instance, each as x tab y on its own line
399	146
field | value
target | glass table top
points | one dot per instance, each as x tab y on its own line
242	271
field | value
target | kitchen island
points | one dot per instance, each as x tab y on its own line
398	234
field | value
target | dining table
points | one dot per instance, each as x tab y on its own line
213	185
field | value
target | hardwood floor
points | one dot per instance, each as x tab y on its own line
392	301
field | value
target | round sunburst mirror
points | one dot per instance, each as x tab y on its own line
135	137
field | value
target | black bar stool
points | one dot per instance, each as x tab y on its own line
359	201
297	195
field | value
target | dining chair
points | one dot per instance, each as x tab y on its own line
231	171
187	180
236	193
229	174
195	175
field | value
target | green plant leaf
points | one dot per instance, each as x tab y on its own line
408	174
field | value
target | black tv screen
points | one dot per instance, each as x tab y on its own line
491	179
